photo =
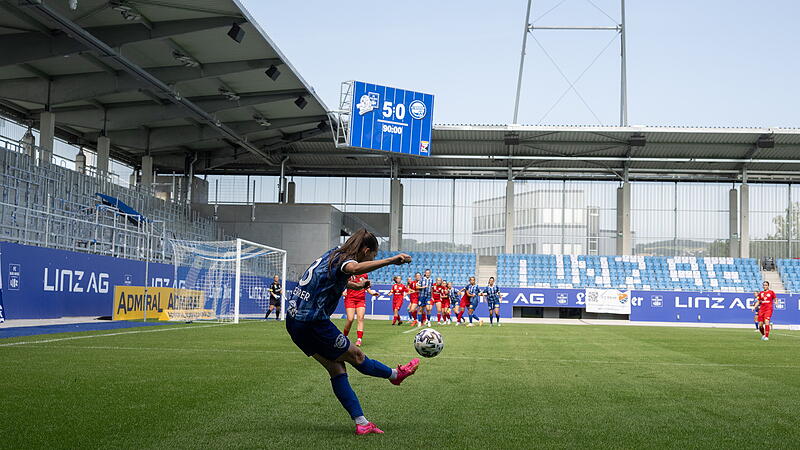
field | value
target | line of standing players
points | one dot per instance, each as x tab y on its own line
424	294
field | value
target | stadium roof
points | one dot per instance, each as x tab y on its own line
158	76
163	77
576	152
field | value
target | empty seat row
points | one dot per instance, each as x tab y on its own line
629	272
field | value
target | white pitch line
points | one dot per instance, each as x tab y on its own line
787	335
479	358
45	341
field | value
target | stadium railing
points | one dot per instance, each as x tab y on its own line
45	204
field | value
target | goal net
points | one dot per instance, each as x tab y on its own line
224	280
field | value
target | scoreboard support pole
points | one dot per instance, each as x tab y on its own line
395	214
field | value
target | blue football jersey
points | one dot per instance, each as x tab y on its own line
454	296
424	287
473	289
492	293
318	291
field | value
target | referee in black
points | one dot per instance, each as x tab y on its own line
275	298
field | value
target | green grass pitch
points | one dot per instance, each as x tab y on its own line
520	386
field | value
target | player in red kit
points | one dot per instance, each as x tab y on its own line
445	302
413	299
766	300
355	304
398	291
436	299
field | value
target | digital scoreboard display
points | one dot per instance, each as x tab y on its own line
390	119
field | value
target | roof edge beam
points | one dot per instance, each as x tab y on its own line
26	47
87	39
70	88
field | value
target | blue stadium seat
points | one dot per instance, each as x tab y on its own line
635	272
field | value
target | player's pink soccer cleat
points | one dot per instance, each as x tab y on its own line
368	429
405	371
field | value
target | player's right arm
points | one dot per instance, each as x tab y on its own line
358	268
758	302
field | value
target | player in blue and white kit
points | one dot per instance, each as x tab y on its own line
308	322
455	297
424	286
492	293
473	293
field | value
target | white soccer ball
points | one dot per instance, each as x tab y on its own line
428	343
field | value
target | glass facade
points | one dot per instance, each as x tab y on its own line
680	219
551	217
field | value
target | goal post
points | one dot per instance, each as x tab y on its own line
224	280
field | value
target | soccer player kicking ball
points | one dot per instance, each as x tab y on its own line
492	293
308	321
398	291
766	300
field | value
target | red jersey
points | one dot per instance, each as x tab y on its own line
767	300
436	293
398	290
355	294
412	289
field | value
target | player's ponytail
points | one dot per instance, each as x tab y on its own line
360	240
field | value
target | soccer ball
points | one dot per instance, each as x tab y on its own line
428	343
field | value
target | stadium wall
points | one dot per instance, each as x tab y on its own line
43	283
646	306
304	231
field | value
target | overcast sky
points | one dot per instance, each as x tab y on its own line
698	63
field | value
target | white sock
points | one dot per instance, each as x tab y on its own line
393	376
361	420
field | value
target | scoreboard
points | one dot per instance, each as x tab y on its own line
390	119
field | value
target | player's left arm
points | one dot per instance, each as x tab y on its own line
358	268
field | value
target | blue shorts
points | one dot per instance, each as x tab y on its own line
493	304
474	303
319	336
424	301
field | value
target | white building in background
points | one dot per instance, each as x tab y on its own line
546	221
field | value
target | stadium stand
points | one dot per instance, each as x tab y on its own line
629	272
789	270
48	205
455	267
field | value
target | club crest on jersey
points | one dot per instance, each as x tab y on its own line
292	309
368	102
341	341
